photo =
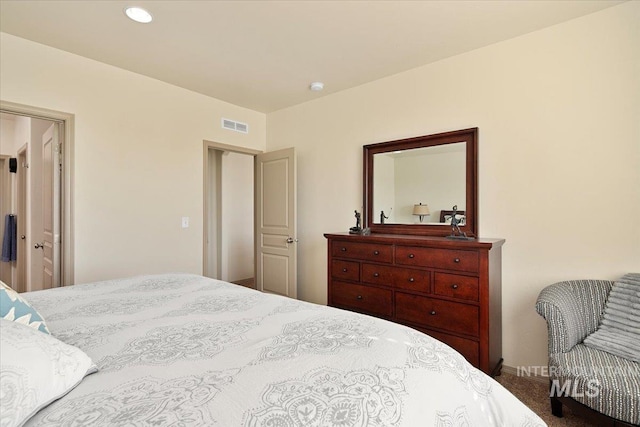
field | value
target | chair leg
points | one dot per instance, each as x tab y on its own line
556	407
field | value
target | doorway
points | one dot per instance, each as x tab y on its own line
270	180
229	213
41	143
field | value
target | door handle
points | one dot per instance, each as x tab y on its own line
291	240
39	246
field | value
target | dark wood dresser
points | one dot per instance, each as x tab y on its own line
448	289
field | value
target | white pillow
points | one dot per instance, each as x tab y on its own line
35	370
619	329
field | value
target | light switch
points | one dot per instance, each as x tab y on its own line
185	222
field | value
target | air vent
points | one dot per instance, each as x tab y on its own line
235	126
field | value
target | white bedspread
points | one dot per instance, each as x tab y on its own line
186	350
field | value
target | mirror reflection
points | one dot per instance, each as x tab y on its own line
420	186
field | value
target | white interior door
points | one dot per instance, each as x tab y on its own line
51	207
276	258
22	268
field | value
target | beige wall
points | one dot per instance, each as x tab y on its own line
7	138
559	156
138	156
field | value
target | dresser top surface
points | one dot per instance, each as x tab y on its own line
410	239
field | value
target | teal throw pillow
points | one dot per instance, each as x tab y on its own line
13	307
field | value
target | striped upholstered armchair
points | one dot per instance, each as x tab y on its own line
601	386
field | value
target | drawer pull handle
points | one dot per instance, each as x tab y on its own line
411	279
359	297
433	312
376	252
411	255
456	260
376	274
454	286
344	270
343	249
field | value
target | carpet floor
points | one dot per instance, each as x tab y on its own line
535	395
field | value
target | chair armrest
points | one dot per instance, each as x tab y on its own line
573	309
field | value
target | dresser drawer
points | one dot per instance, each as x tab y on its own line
363	299
404	278
378	274
362	251
445	315
456	286
413	280
447	259
345	270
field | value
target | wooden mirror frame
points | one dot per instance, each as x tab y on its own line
470	136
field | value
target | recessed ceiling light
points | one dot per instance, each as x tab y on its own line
316	86
138	14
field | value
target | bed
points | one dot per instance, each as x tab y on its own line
186	350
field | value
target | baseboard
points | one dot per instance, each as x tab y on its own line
531	374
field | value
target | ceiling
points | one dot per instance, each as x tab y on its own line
263	55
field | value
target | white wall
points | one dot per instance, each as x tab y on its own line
437	180
213	217
138	156
558	112
237	216
22	138
384	181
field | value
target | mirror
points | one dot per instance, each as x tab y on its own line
412	185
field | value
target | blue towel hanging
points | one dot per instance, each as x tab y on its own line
10	239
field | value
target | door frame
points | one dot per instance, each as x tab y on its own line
66	128
211	145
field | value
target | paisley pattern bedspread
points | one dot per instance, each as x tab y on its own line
191	351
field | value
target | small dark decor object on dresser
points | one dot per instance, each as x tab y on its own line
383	216
357	229
456	233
